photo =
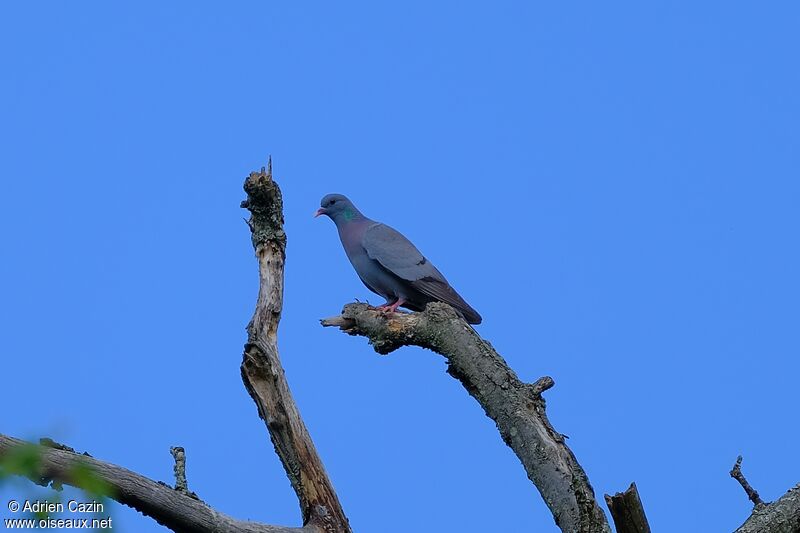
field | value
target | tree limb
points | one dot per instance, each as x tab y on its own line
781	516
181	485
262	372
169	507
627	511
517	408
752	494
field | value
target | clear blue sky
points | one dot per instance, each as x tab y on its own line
614	186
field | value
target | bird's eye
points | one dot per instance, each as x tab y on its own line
333	202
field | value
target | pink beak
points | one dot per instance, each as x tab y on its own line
319	212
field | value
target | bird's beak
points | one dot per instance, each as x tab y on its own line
320	211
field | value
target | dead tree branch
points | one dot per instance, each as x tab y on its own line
169	507
517	408
181	485
752	494
780	516
262	371
627	511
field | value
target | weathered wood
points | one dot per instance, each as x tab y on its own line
780	516
517	408
169	507
261	368
627	511
752	494
181	485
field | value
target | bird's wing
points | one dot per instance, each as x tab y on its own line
396	253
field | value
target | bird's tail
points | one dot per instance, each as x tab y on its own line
443	292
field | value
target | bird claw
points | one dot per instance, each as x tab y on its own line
387	308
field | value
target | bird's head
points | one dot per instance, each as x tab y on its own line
338	208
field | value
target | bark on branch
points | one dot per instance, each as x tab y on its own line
169	507
181	485
262	371
517	408
752	494
781	516
627	511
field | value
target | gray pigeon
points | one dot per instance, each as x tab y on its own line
388	264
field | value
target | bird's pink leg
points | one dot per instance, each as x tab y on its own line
393	308
390	307
383	307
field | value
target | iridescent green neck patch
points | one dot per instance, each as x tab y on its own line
349	214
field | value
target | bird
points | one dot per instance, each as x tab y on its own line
388	263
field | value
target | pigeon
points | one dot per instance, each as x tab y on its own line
388	264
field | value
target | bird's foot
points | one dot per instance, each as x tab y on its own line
390	308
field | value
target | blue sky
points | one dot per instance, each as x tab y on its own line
613	186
